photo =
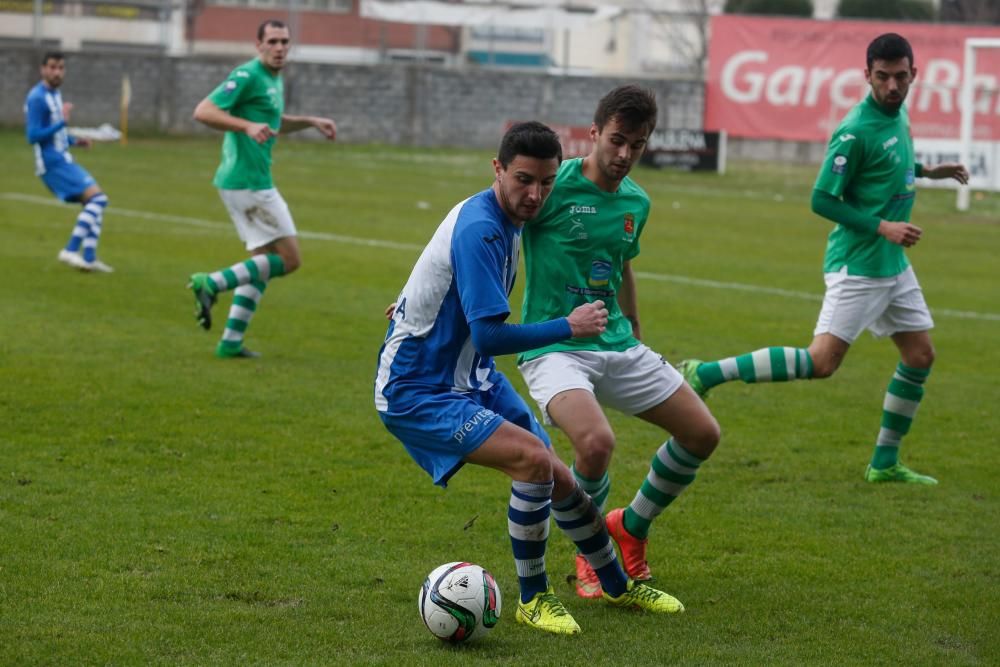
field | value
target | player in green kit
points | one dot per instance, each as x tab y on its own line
580	249
866	186
249	107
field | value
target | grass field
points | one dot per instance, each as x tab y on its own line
161	506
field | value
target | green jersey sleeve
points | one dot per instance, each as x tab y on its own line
231	92
844	157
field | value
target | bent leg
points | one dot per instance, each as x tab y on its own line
581	418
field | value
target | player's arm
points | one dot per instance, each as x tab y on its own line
492	336
208	113
944	170
628	299
837	210
326	126
35	128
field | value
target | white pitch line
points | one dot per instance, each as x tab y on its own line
377	243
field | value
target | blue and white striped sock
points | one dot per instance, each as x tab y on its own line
577	516
92	214
528	525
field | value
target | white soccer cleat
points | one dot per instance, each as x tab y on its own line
72	259
97	266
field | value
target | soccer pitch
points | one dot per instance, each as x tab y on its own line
162	506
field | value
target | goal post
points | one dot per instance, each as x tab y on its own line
968	108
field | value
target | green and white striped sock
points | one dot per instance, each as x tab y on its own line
245	301
259	268
769	364
672	470
902	399
597	489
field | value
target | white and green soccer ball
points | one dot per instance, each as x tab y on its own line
459	602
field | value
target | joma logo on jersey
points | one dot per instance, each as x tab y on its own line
579	210
889	143
482	416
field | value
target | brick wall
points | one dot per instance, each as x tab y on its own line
394	104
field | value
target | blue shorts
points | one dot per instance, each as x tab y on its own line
67	181
439	428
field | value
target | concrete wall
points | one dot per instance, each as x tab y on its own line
394	104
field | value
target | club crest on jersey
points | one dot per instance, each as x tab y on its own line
839	165
229	87
628	227
910	179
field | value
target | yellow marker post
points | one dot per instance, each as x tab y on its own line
123	109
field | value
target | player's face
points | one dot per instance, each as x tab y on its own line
890	81
615	150
273	48
53	72
524	185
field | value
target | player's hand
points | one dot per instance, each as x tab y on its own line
900	233
67	110
390	310
948	170
259	132
327	127
590	319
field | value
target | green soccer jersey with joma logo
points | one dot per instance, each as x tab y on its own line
254	93
574	252
869	163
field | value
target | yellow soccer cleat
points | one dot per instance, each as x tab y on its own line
546	612
642	596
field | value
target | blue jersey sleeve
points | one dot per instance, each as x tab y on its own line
37	115
492	336
480	260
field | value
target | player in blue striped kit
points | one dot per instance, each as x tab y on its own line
46	117
438	391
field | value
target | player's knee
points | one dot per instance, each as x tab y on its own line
533	462
922	357
594	450
703	438
292	263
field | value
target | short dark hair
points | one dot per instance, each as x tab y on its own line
531	139
889	46
274	23
634	107
53	55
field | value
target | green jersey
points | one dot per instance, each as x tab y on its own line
869	163
574	252
256	94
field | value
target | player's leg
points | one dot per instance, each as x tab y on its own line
561	383
850	304
264	223
94	203
525	459
909	320
576	514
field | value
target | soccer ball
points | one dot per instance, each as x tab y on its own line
459	602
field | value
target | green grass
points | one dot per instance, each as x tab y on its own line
160	506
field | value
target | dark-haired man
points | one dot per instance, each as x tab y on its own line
249	107
47	115
580	250
866	186
438	391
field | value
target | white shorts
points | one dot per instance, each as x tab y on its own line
260	216
882	305
632	381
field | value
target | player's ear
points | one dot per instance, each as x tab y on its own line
497	168
913	73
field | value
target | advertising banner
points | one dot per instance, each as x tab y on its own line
796	78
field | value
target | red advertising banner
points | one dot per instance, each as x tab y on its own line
796	78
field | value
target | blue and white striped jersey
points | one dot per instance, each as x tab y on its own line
46	128
465	273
